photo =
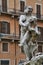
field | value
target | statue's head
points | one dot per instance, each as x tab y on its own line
28	9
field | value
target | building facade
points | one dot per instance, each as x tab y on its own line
10	10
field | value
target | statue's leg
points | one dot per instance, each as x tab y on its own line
21	37
24	37
26	50
22	34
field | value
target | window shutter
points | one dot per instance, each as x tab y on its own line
40	48
8	28
5	47
40	37
38	11
4	5
22	4
5	27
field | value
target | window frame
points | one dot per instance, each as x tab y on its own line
7	5
24	2
4	27
2	48
8	25
6	59
39	45
41	34
36	7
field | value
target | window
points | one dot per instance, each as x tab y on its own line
39	48
40	37
38	11
4	62
22	4
5	47
4	27
4	5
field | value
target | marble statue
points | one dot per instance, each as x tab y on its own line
29	32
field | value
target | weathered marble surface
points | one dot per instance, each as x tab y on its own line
29	33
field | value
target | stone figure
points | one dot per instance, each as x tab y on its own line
24	23
29	32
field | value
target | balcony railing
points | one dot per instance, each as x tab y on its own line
9	36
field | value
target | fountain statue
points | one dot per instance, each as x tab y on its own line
29	33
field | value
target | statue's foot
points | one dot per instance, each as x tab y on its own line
20	45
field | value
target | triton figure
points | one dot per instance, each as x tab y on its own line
29	32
